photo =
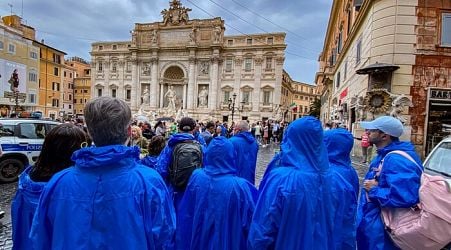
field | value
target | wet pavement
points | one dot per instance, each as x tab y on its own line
7	191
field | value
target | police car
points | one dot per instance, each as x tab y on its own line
21	142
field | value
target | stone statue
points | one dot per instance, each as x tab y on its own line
192	36
133	37
278	113
145	98
184	14
166	16
217	34
398	104
154	36
203	95
180	114
360	108
171	97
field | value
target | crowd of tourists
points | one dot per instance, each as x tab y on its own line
133	189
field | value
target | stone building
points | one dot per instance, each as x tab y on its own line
181	64
389	57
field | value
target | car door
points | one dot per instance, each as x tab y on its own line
30	137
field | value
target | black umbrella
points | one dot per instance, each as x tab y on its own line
165	119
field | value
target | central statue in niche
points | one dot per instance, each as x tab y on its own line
171	97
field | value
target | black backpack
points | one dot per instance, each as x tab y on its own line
186	157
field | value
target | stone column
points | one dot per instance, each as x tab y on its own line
191	83
257	86
135	84
184	96
237	76
213	90
154	83
278	85
161	94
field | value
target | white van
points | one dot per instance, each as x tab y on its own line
21	142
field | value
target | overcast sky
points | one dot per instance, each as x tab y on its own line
72	25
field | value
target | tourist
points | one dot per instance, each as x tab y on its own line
108	199
393	185
57	149
246	149
339	143
295	209
217	207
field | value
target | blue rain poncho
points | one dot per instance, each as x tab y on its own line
339	144
23	208
246	149
295	209
150	161
106	201
217	207
398	185
165	159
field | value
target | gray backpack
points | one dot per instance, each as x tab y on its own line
186	157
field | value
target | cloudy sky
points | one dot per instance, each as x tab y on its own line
72	25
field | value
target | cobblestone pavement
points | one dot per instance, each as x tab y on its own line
7	191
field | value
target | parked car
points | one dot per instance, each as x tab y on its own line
21	141
438	162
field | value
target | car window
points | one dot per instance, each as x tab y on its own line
32	130
440	160
7	130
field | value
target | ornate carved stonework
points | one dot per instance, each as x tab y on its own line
258	61
176	14
238	61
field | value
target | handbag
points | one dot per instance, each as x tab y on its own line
426	225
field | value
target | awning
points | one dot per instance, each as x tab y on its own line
377	68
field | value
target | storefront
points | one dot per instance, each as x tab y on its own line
438	119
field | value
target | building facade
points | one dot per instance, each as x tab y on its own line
51	87
388	57
67	108
82	84
303	97
183	65
19	63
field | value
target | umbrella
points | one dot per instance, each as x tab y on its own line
165	119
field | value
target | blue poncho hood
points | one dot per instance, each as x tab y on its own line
303	144
174	139
94	157
247	136
339	143
220	157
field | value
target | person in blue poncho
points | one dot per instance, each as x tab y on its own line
57	149
246	149
295	209
156	145
186	128
107	200
396	184
339	143
217	207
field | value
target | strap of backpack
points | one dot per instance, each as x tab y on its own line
402	153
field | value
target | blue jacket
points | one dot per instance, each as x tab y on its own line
23	208
107	200
165	159
339	144
217	207
246	149
398	185
295	209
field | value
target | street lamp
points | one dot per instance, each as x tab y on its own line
231	105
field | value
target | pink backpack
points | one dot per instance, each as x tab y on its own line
426	225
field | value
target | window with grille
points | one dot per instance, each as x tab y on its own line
268	62
247	64
266	97
446	29
229	62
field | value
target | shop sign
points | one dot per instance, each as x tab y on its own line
440	94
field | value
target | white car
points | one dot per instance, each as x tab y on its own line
21	142
438	161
